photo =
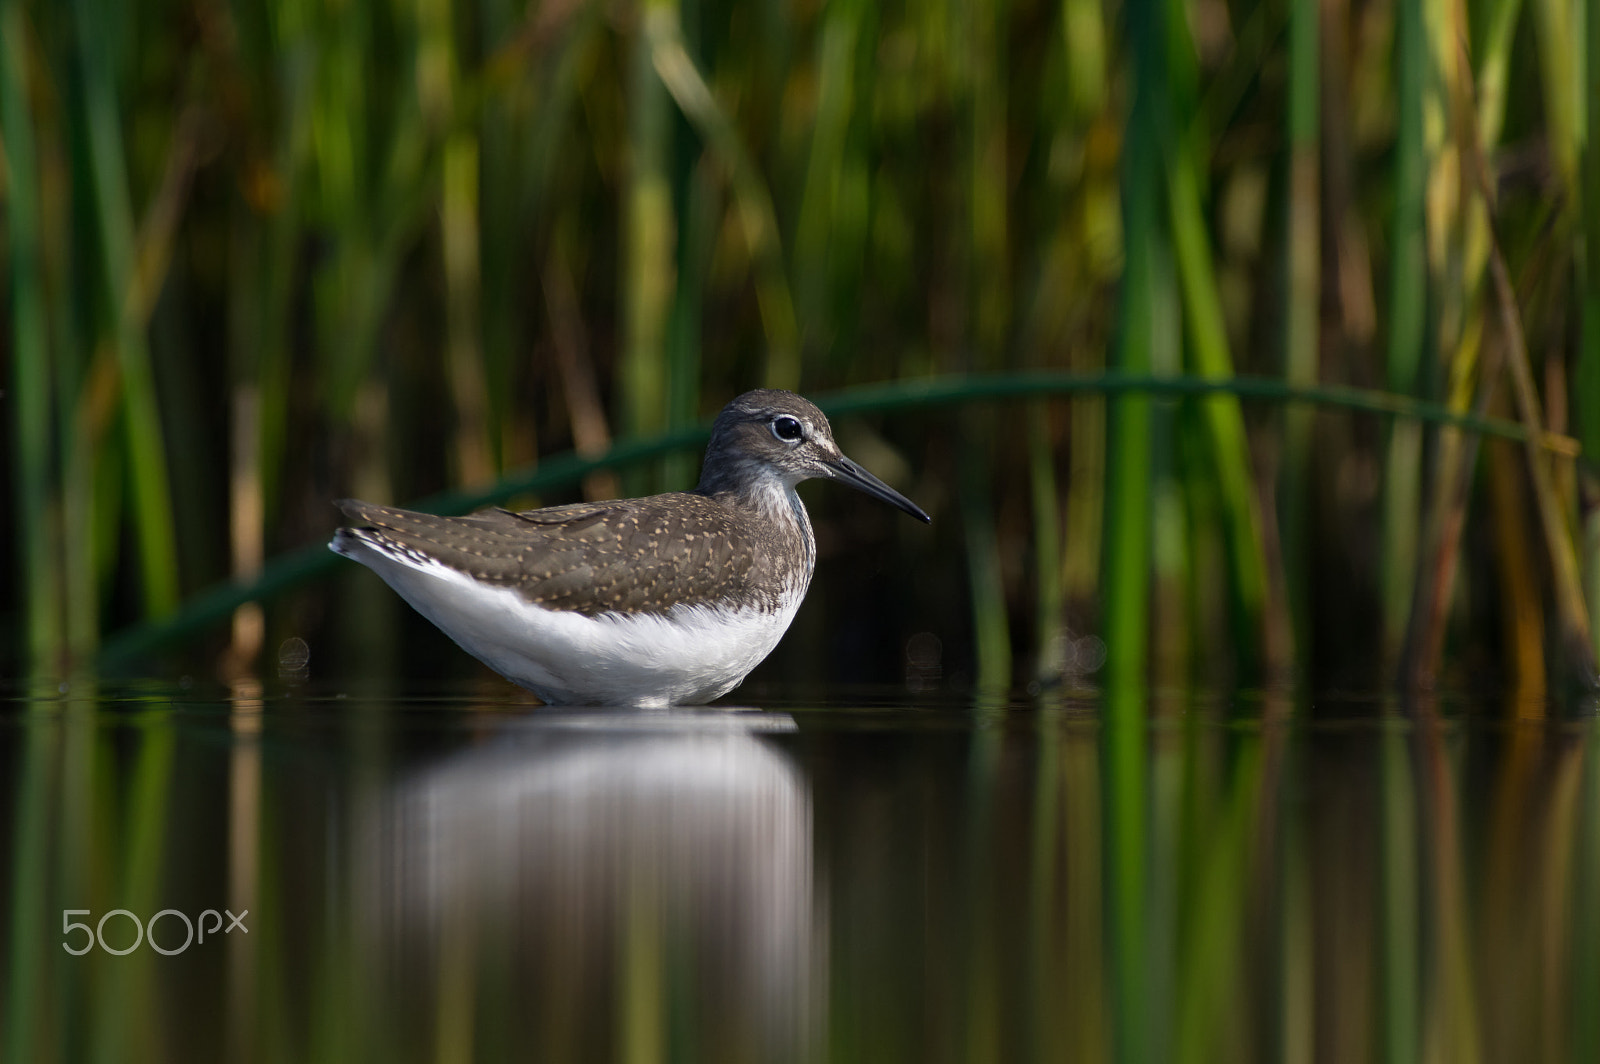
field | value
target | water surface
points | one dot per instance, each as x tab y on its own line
461	875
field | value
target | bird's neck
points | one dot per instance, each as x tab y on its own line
770	499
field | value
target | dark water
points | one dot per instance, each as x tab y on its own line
460	877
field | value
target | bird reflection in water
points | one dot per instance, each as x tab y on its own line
607	883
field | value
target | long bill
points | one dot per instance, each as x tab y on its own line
847	472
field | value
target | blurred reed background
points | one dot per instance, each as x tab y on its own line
261	255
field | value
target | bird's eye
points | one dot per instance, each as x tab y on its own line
787	428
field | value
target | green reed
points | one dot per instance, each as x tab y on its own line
42	632
1587	377
1406	333
650	232
1128	469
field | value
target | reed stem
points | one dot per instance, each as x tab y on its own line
36	520
141	419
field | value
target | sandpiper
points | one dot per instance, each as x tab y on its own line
666	600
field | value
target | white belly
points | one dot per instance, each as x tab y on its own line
688	656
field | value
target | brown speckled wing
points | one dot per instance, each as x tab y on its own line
628	556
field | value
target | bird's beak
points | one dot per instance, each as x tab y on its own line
845	471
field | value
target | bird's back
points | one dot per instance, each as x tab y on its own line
642	555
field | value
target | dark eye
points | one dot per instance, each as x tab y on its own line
787	428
